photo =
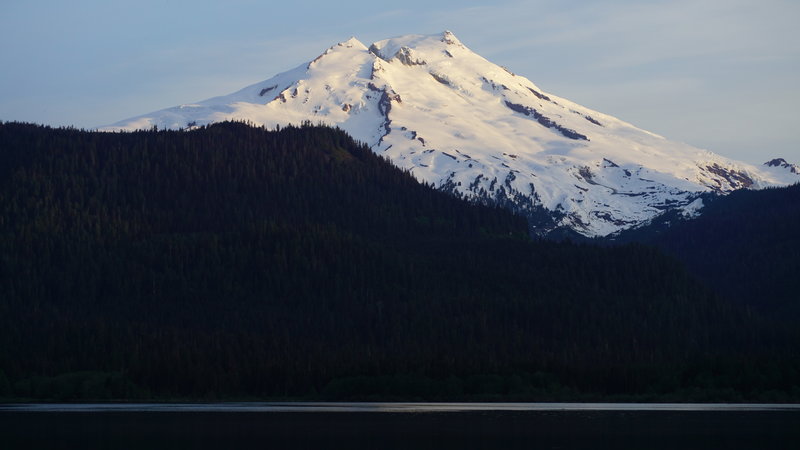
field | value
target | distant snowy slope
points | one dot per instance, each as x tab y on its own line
452	118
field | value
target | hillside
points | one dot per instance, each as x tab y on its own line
236	262
745	246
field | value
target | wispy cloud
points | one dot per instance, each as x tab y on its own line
624	33
622	57
720	70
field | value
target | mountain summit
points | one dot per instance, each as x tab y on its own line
457	121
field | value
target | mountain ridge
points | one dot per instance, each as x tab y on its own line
468	126
233	262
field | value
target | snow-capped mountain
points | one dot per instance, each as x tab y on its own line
455	120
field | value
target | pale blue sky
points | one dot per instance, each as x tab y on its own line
719	74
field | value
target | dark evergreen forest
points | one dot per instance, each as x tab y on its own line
237	262
745	245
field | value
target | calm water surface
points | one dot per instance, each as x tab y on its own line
400	426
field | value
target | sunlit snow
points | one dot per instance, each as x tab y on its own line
433	107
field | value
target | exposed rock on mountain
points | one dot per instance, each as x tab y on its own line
455	120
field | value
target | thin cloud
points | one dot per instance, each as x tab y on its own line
627	34
684	69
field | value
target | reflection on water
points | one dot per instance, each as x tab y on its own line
395	407
399	426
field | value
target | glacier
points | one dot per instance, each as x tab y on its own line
463	124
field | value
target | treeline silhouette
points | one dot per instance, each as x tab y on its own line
233	261
745	245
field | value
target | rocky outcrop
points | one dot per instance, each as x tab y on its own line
780	162
735	179
407	56
544	121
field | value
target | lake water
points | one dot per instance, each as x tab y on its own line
400	426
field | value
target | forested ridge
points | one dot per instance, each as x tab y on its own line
745	245
233	261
